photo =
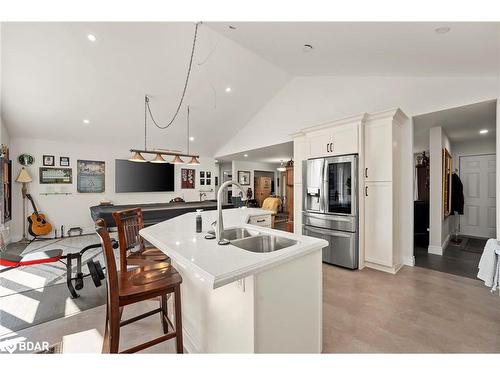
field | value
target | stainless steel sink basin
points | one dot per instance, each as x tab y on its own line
263	243
232	234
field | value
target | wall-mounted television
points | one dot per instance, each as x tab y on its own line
134	177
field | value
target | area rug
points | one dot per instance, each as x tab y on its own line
469	244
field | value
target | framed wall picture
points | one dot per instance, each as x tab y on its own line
202	174
447	173
208	181
48	160
202	181
64	161
56	175
188	178
90	176
244	177
209	174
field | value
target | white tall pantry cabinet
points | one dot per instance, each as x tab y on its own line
382	190
381	164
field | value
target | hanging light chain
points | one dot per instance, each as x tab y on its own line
183	91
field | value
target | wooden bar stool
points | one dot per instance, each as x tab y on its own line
132	249
155	279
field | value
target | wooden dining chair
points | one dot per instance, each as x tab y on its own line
156	279
132	249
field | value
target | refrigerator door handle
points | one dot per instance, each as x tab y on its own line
327	232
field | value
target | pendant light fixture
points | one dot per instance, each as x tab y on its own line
158	159
177	160
137	157
137	154
282	167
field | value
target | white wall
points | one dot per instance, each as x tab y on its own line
307	101
73	210
4	138
480	146
439	228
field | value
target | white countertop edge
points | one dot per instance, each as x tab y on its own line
264	265
304	246
295	251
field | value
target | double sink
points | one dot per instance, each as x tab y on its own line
254	241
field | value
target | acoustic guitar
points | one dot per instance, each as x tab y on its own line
38	225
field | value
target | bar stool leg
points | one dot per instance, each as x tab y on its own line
164	313
178	320
114	329
105	342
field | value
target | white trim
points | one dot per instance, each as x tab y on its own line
437	250
189	345
409	261
445	242
392	270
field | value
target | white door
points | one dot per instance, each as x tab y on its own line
478	175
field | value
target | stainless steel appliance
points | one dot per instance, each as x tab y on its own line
331	207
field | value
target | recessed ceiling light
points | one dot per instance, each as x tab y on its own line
483	131
228	89
91	37
86	121
246	155
191	139
307	48
442	30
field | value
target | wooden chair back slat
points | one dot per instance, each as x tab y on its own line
129	223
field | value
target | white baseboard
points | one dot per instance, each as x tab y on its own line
446	242
409	261
437	250
379	267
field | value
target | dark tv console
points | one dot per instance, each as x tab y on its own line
154	212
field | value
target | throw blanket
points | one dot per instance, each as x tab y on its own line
489	265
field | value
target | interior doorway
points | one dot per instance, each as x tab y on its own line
454	187
264	173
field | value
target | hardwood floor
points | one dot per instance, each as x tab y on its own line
416	311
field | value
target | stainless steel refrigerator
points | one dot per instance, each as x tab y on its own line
330	207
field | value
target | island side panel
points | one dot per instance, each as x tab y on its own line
288	307
217	320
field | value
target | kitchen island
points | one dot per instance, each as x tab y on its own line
235	299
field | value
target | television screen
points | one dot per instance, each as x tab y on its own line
133	177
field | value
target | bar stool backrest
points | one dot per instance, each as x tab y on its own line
129	223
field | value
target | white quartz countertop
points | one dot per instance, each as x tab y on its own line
218	265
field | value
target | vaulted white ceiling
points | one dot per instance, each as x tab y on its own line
53	78
372	48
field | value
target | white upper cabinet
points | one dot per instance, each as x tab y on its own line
333	139
378	150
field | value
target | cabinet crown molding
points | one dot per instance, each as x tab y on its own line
346	120
395	114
